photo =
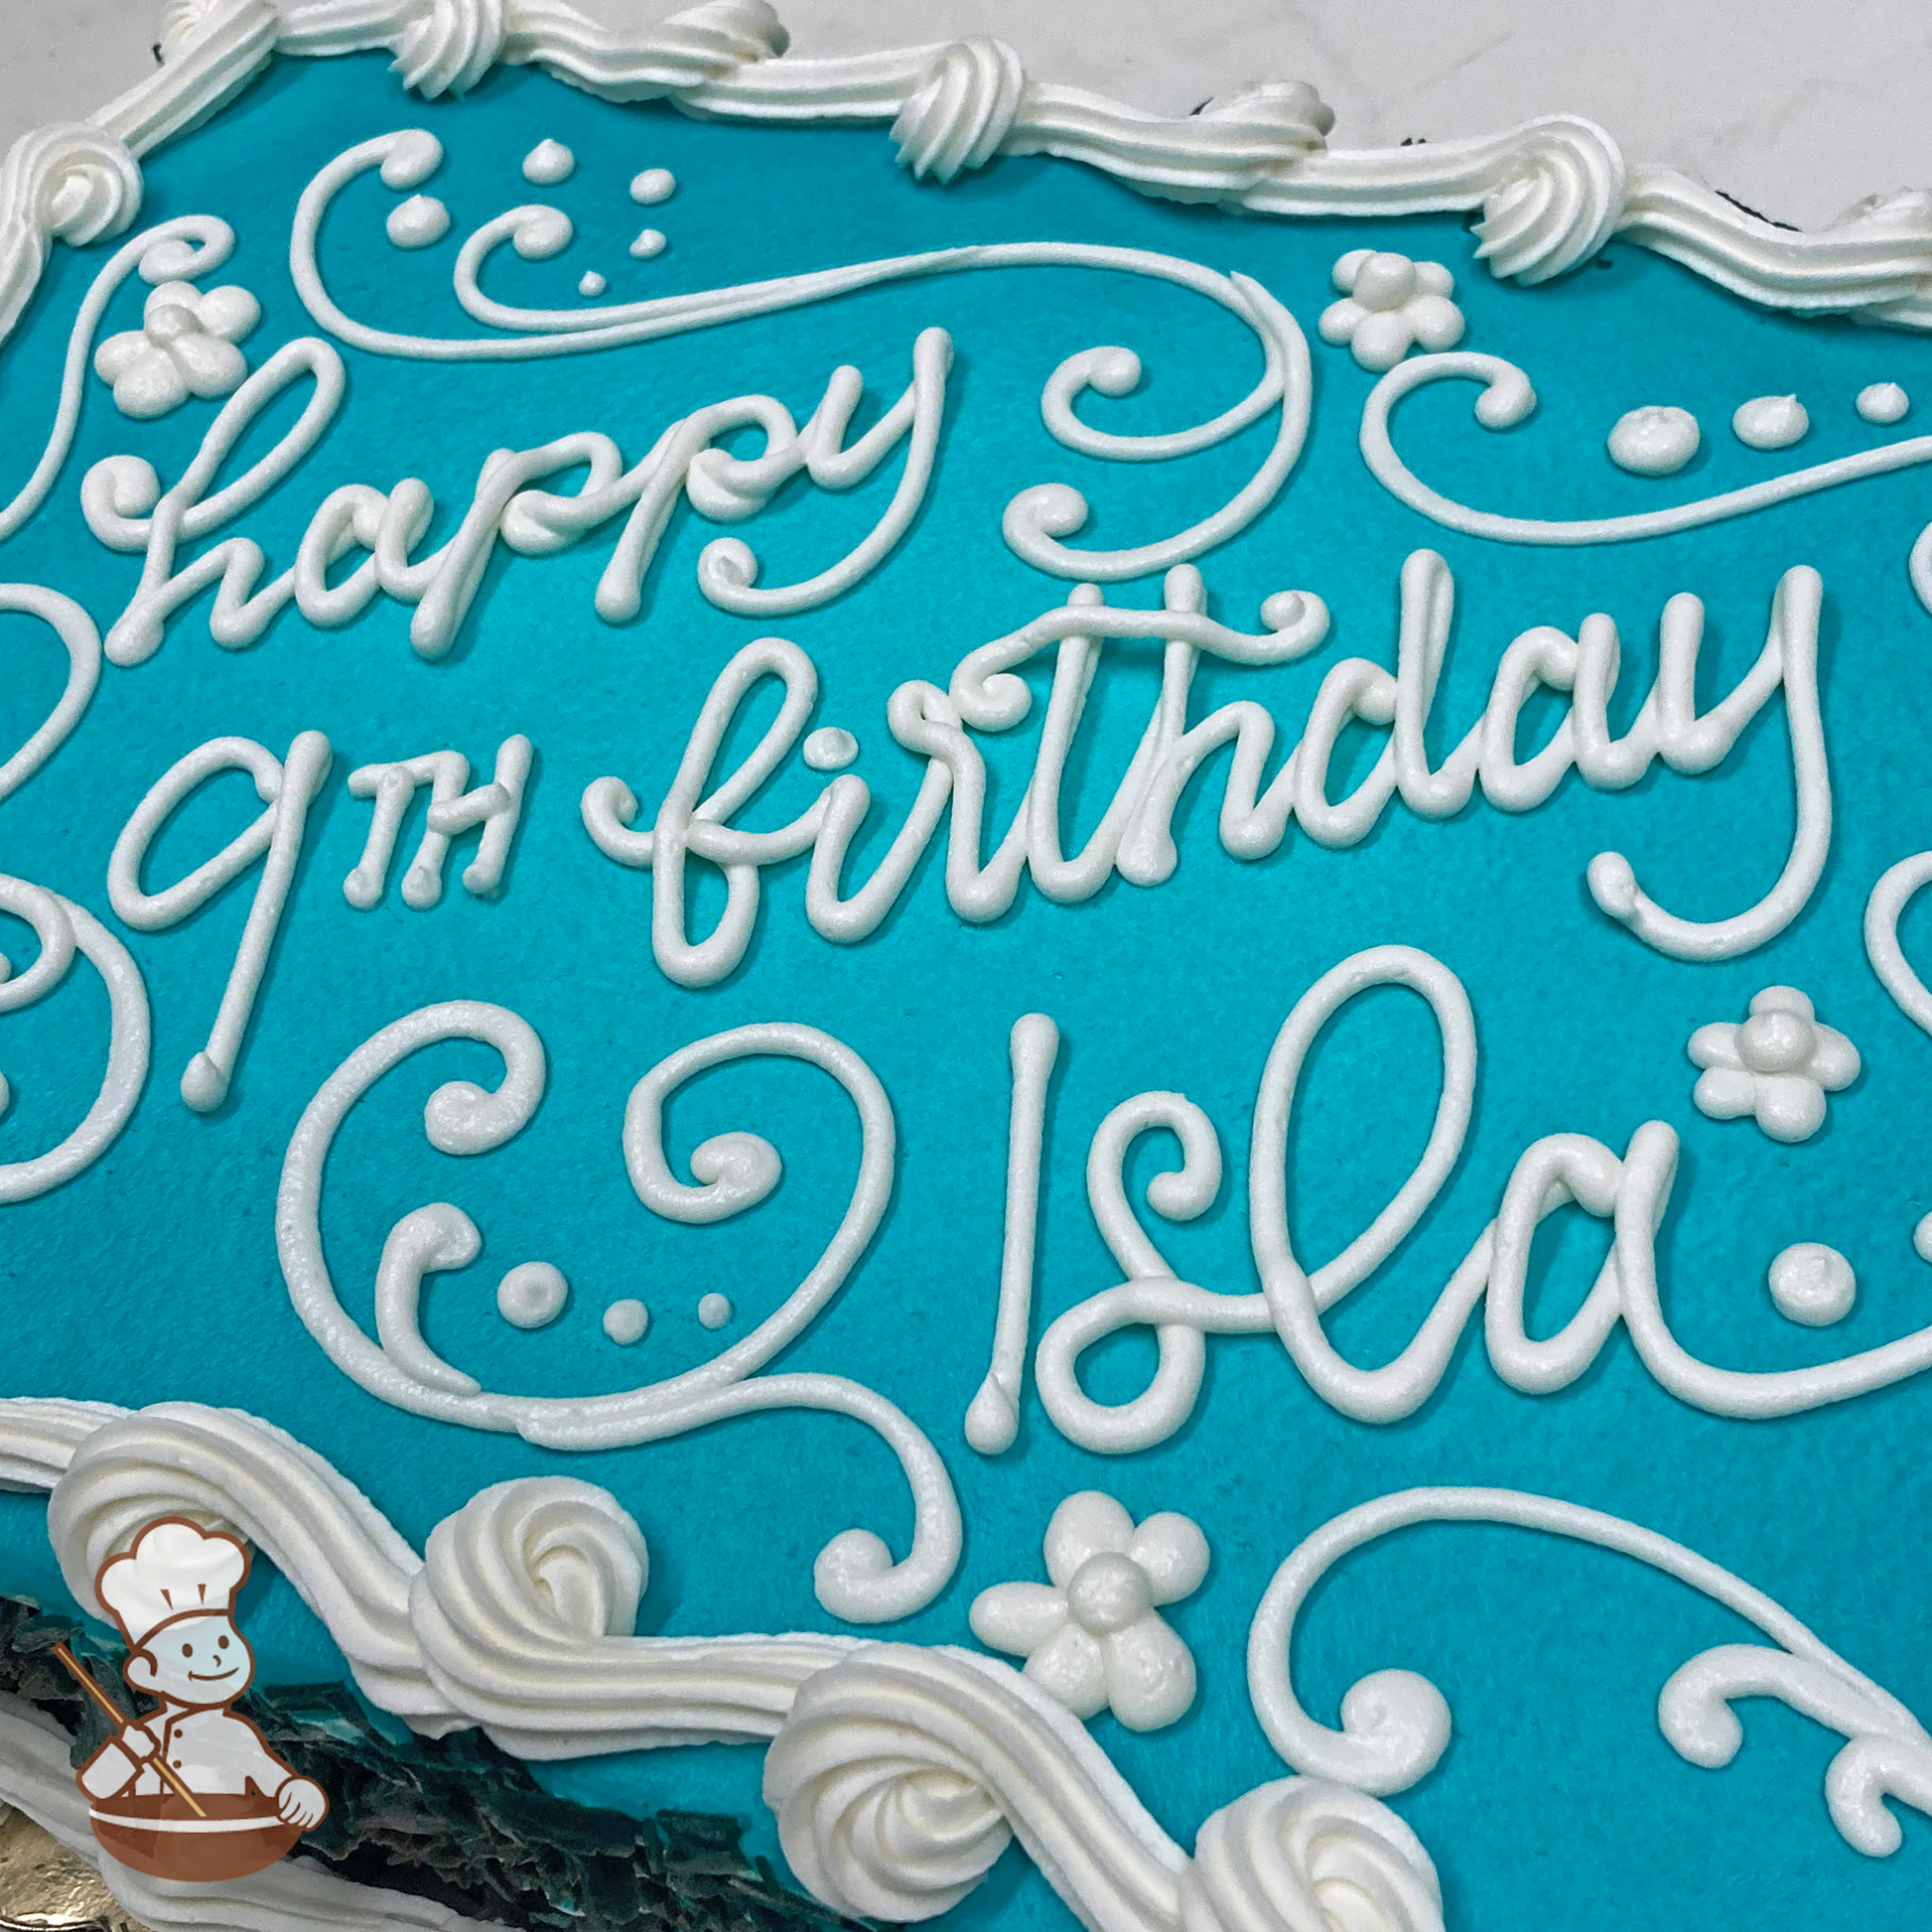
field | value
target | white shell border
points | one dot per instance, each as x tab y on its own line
1549	192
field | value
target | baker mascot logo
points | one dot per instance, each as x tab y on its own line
190	1790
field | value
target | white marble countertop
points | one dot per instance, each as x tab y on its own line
1796	107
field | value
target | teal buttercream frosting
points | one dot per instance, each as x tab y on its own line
153	1276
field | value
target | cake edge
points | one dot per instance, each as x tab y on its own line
1547	194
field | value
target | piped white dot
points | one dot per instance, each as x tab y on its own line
1813	1284
418	222
1770	422
648	243
626	1322
714	1310
532	1295
591	283
830	748
548	162
1922	1239
1883	402
1655	440
655	185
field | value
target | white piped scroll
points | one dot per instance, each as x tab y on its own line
856	1577
82	642
1395	1725
1659	440
1895	890
1034	520
184	248
1549	192
497	807
287	788
63	928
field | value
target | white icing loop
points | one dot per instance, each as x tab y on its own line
855	1575
1895	890
82	642
1507	399
63	928
1395	1725
1038	517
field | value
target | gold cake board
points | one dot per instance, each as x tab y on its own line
45	1887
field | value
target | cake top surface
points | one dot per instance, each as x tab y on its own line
474	1197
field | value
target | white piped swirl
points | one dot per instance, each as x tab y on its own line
963	109
901	1773
1554	202
71	180
526	1608
450	44
1303	1853
84	181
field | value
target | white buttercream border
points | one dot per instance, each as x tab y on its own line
1549	192
898	1774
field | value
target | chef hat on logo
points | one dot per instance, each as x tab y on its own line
174	1568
